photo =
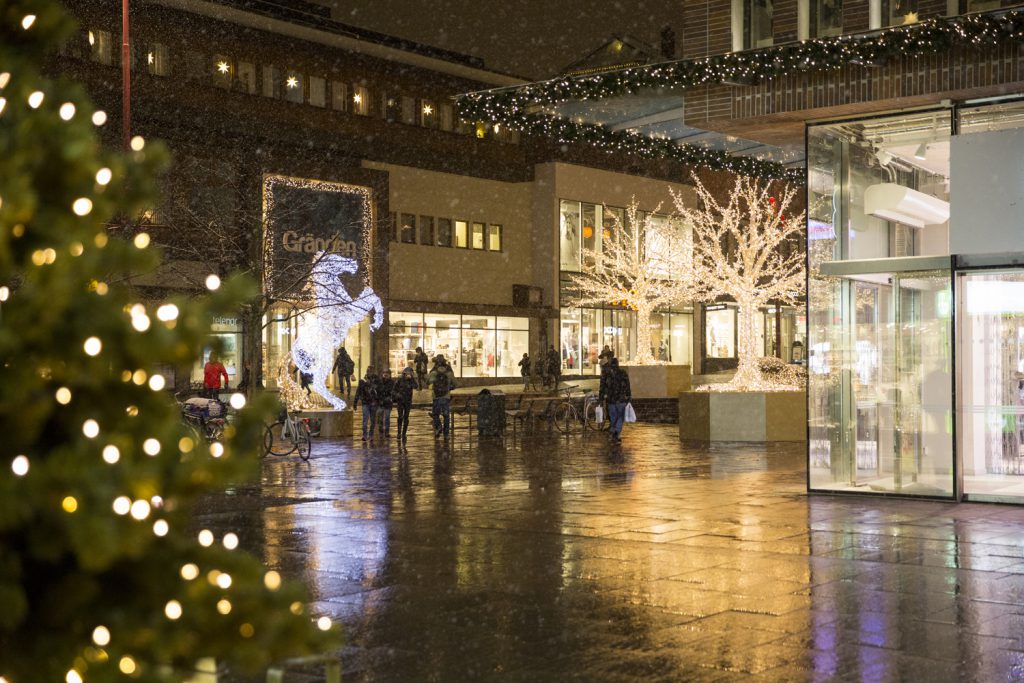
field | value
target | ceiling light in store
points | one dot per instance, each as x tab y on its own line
893	202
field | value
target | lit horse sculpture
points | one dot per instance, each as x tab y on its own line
327	324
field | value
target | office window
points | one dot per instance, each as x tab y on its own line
426	230
757	23
428	114
246	78
101	47
446	116
462	234
223	70
317	91
444	232
409	110
360	100
493	237
271	81
339	96
478	235
295	87
826	18
407	233
158	60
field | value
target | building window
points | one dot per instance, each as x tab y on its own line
317	91
475	345
247	78
826	18
478	235
101	47
979	5
426	230
462	234
428	114
339	96
899	12
360	100
294	87
757	23
390	107
493	237
158	60
481	130
446	114
720	331
444	232
196	66
271	82
409	110
407	233
223	71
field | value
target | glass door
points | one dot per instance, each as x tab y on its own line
991	390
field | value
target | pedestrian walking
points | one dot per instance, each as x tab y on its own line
442	380
606	355
524	369
615	390
344	366
554	366
212	372
385	398
366	393
402	397
420	360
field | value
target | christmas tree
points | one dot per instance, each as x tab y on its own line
101	574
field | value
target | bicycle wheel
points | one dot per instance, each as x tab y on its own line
304	441
591	417
276	443
565	417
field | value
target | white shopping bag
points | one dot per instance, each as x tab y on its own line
630	413
599	414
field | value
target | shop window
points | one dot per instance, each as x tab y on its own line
405	335
446	115
360	100
407	232
441	336
899	12
720	331
158	60
317	91
101	47
478	235
826	18
462	234
408	110
478	353
294	87
246	80
569	235
223	70
339	96
225	340
196	66
427	230
444	232
758	30
680	343
612	220
493	237
391	107
271	81
428	114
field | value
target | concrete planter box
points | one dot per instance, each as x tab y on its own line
749	416
333	423
658	381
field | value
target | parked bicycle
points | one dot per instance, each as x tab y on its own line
289	434
206	416
568	416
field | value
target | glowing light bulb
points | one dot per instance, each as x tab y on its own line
189	571
99	117
230	541
167	312
73	676
126	665
36	99
19	466
206	538
237	401
67	111
224	606
216	449
91	428
151	447
223	67
122	505
137	143
140	322
156	382
111	454
140	509
93	346
82	206
27	21
224	581
324	623
141	240
101	636
173	610
5	293
272	580
70	504
212	282
161	527
63	396
292	82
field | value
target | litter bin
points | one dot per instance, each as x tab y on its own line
490	413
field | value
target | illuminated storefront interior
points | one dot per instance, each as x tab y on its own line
474	345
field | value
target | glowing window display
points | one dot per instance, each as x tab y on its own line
720	331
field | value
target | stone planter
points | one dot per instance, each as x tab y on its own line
658	381
747	416
333	423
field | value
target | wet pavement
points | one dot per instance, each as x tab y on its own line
551	558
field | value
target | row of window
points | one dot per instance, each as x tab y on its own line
474	345
446	232
292	85
824	18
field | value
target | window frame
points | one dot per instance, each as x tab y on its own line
450	232
489	237
407	228
464	238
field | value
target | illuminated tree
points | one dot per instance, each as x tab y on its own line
748	249
643	265
102	577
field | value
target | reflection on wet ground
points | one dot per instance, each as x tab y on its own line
549	558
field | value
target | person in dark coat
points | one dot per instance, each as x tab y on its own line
442	380
344	366
385	399
366	393
554	365
402	397
524	370
420	360
615	390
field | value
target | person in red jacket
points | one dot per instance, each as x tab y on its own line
212	373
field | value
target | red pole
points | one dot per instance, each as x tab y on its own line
126	77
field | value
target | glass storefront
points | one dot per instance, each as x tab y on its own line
579	233
284	324
226	339
586	331
474	345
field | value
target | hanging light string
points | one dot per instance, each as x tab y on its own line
528	108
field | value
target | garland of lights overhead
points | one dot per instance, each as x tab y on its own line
522	107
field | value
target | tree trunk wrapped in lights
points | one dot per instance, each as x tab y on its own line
746	248
643	266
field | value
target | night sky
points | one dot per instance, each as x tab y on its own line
529	38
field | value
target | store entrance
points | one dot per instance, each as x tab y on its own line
991	361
